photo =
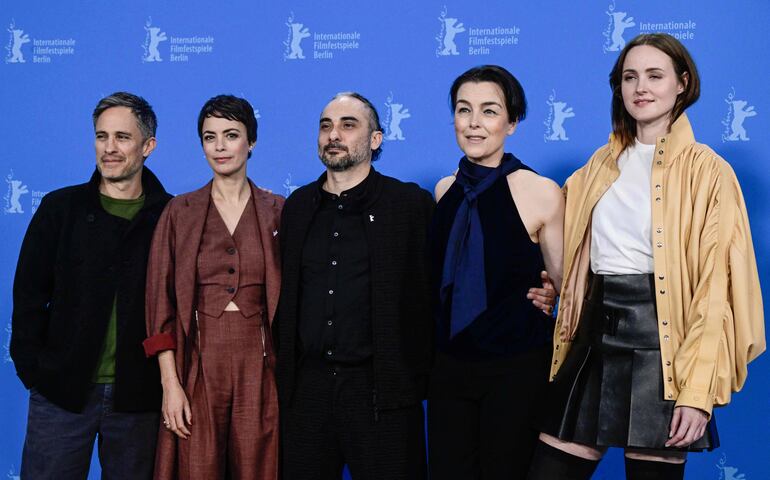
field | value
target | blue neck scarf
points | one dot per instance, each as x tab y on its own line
463	279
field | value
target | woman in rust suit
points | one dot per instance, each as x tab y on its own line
212	287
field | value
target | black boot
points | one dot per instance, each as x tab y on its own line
550	463
650	470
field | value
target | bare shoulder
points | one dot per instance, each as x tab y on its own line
533	184
442	186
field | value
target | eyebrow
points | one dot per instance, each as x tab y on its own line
224	131
653	69
483	104
119	132
344	119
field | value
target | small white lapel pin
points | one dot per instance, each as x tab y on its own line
275	233
371	218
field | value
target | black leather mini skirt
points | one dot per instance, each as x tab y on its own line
609	391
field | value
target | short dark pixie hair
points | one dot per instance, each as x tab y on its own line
374	117
623	125
145	116
515	102
233	108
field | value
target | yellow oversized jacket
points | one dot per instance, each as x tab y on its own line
710	316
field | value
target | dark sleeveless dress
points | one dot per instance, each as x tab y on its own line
490	378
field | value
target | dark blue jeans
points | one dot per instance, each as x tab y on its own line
59	443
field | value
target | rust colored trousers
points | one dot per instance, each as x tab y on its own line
234	432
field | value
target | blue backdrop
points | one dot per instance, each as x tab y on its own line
289	58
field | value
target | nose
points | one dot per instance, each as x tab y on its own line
641	85
334	134
219	143
111	146
474	119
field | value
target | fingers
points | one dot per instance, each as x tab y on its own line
691	425
674	426
188	413
546	279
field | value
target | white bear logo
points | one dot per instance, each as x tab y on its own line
560	113
397	113
288	186
297	33
19	38
15	191
740	113
619	22
154	37
453	27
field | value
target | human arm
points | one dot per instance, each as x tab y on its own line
33	290
723	322
176	407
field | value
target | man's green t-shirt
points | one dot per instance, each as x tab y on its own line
105	367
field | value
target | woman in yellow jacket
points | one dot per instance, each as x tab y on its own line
660	308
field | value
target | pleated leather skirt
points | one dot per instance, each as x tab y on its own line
609	391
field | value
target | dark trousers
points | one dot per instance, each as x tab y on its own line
59	443
481	416
331	422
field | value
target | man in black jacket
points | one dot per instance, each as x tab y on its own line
354	329
78	313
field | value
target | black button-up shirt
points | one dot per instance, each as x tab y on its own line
334	312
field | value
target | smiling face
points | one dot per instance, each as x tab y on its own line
482	122
120	146
226	145
650	87
345	136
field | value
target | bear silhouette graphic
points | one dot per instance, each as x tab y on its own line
451	28
397	113
17	189
156	36
19	39
619	25
740	113
560	113
298	33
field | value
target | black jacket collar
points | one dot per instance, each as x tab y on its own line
151	187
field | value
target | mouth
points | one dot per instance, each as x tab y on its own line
222	159
335	149
475	138
111	160
641	102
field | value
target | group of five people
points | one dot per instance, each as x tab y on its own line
291	338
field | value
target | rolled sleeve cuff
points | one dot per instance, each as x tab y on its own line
696	399
158	343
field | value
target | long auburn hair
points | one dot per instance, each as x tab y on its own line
623	125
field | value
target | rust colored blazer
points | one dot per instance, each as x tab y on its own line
171	287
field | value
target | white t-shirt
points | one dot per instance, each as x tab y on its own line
621	237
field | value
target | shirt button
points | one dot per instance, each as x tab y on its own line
662	140
339	207
664	322
657	199
557	347
331	292
670	395
230	290
336	234
659	230
329	322
660	152
659	162
662	292
657	187
668	363
231	251
334	262
660	277
659	244
329	353
231	270
665	337
670	379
